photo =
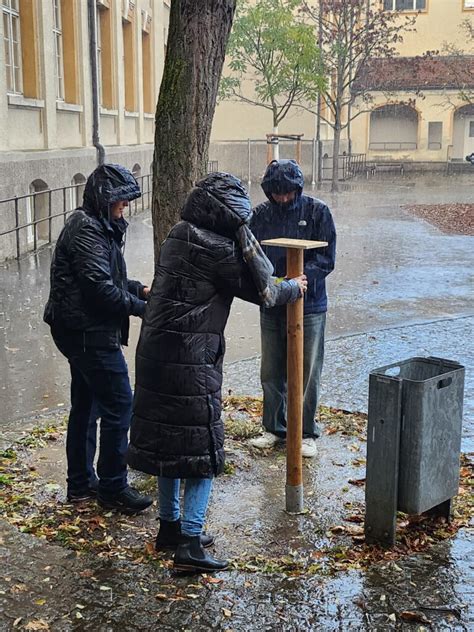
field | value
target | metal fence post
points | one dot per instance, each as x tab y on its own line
17	232
249	179
50	219
35	238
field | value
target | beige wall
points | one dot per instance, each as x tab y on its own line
44	123
439	24
429	110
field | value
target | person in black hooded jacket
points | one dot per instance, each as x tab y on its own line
207	259
88	311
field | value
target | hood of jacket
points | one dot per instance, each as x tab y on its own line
218	203
106	185
283	176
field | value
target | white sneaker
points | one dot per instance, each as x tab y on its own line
265	441
309	448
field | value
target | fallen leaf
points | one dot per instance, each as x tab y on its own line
359	482
213	580
40	602
415	617
354	518
226	612
38	624
17	621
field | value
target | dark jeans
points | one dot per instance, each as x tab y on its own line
273	370
100	387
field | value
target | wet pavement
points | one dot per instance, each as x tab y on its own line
107	592
392	269
401	289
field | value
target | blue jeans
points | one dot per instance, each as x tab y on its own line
196	499
100	387
273	370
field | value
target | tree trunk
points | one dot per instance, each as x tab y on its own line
198	34
335	158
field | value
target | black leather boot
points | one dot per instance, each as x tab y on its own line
169	536
191	557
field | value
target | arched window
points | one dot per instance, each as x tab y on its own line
37	208
136	170
76	191
463	132
394	128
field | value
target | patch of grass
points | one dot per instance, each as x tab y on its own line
6	480
229	468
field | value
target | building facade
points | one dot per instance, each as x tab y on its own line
46	112
420	111
416	115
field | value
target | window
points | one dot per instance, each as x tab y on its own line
129	60
147	65
105	57
435	135
468	4
404	5
471	129
76	191
69	43
99	52
58	50
11	39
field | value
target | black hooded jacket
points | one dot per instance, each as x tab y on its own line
91	298
176	429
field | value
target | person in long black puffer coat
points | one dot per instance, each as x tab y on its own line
207	259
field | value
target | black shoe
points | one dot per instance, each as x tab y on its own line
169	536
129	501
191	557
88	494
79	497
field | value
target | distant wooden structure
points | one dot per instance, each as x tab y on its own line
272	139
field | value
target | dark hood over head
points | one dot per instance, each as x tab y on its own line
282	176
219	203
108	184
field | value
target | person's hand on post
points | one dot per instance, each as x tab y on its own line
302	282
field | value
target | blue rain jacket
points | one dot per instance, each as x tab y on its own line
304	218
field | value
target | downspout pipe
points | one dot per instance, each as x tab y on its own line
91	10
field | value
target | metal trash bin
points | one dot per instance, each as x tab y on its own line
414	440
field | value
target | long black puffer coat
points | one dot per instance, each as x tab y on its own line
176	429
91	297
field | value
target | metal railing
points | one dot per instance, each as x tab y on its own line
39	216
353	165
349	166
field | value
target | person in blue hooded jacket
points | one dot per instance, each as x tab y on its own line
292	214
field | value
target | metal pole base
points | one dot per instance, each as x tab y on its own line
294	498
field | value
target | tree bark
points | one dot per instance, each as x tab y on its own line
198	34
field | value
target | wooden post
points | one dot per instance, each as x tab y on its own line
294	430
